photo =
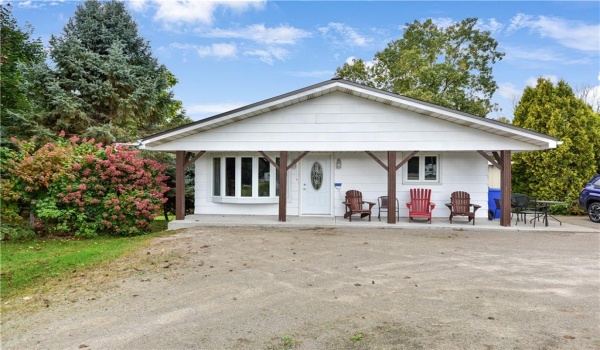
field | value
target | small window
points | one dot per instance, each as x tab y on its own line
423	168
216	176
246	177
230	176
264	177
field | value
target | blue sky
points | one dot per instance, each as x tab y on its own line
227	54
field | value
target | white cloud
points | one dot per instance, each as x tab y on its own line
509	91
220	50
344	35
540	55
571	34
282	35
532	81
269	54
490	25
350	61
591	96
198	111
442	22
193	11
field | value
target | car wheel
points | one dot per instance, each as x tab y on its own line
594	211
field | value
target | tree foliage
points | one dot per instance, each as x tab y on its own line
17	50
81	188
450	66
105	83
556	173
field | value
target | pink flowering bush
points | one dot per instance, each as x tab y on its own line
78	187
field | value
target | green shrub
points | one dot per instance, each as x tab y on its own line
83	189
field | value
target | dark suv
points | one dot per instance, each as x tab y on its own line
589	198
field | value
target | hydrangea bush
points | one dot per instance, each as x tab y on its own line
82	188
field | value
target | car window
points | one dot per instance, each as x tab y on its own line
597	182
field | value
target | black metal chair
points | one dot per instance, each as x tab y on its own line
523	205
382	203
498	207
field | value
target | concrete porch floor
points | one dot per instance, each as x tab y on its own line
569	224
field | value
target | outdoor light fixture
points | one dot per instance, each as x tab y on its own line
338	164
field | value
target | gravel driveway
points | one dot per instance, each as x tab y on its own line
328	288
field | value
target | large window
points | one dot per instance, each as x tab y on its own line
422	168
244	178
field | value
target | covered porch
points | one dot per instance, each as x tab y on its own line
572	225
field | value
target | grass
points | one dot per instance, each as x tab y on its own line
25	265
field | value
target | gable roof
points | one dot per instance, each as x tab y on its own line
541	141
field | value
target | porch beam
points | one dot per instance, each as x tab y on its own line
405	160
492	160
180	185
273	163
505	188
189	159
183	159
391	191
295	160
283	186
377	160
496	156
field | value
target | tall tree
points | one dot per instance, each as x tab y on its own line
449	66
17	50
556	173
106	83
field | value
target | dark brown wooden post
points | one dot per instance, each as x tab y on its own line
179	185
391	194
505	188
283	185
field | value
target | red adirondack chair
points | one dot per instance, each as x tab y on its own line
420	205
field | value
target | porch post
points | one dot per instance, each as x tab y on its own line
283	185
391	194
505	188
179	185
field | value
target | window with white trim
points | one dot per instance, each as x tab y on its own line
422	168
244	179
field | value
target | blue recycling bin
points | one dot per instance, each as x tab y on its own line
493	193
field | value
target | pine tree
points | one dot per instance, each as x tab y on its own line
17	50
556	173
106	84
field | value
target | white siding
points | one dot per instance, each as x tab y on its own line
341	122
459	171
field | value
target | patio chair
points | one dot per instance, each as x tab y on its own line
355	205
382	203
523	205
460	204
420	205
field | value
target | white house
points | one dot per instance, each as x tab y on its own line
336	136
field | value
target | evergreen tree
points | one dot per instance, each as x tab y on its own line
451	66
106	84
17	50
556	173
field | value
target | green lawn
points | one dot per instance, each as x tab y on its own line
29	264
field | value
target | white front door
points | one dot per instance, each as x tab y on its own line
316	185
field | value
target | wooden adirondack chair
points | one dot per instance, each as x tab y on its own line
460	204
420	205
355	205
